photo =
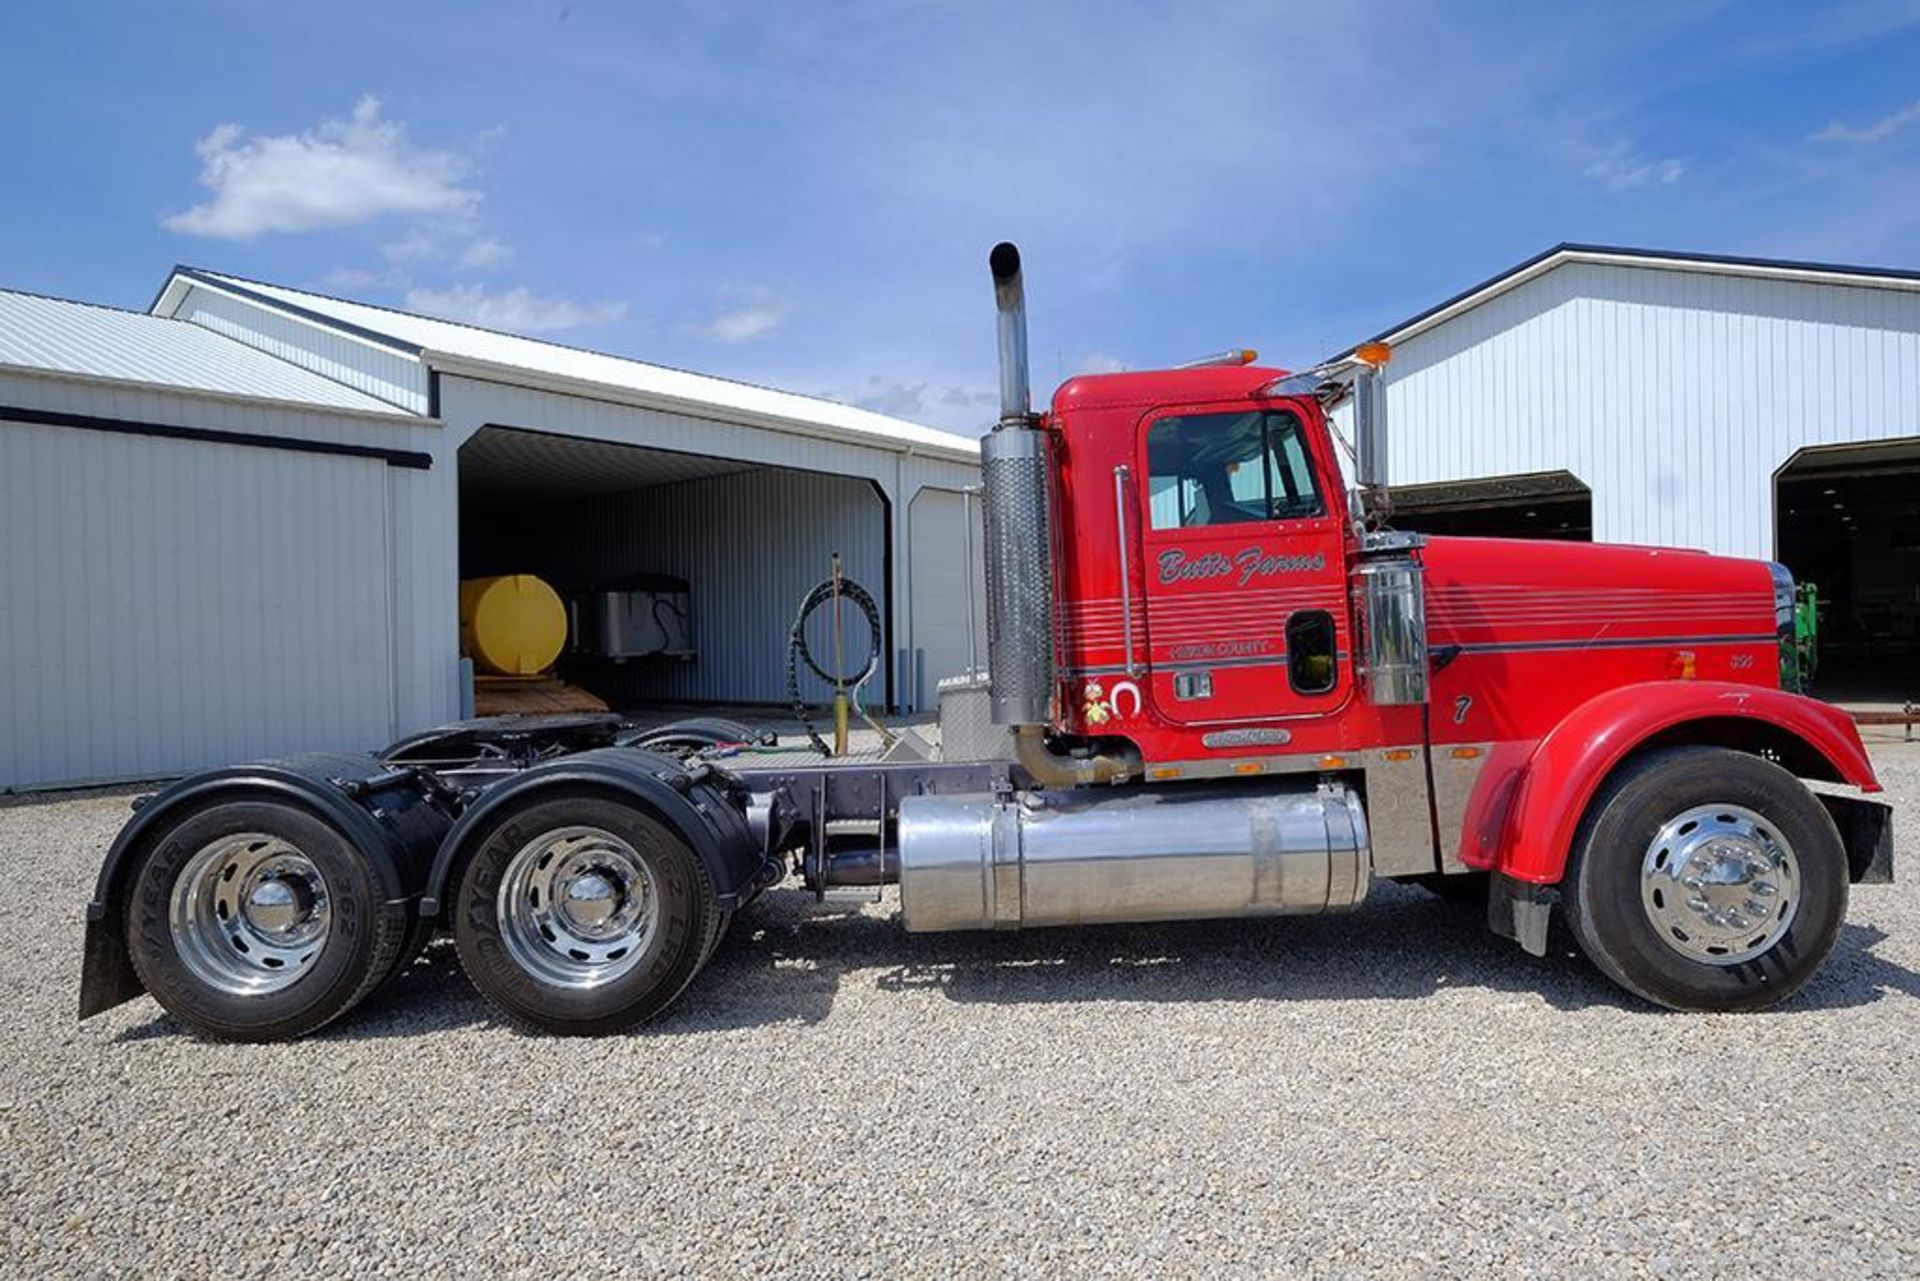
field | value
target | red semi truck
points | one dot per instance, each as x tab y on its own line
1229	688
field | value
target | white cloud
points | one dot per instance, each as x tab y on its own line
416	246
745	314
1878	131
337	174
1829	26
1101	362
1622	168
485	254
954	406
351	278
517	310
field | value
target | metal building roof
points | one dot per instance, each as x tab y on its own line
1817	273
459	348
82	340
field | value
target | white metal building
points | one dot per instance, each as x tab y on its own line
1747	407
236	526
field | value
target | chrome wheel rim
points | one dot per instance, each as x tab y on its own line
1720	884
249	914
578	907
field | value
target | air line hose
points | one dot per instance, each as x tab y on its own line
798	653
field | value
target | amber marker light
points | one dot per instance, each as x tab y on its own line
1164	772
1682	665
1398	753
1333	762
1249	767
1373	353
1466	753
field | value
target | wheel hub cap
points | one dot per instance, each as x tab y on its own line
1719	884
577	907
591	901
278	905
249	913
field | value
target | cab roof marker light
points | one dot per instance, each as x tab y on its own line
1231	356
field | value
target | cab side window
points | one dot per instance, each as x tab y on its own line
1229	469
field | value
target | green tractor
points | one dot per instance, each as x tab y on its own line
1800	646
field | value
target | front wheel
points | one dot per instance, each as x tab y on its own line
582	915
1706	879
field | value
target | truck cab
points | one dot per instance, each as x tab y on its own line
1215	590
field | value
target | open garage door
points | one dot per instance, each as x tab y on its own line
172	605
1846	522
1553	504
745	543
945	534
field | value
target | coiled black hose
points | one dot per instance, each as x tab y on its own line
798	653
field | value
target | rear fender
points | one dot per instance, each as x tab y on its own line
1550	795
691	801
398	844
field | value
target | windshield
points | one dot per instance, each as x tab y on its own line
1229	469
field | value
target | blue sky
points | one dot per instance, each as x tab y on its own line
804	194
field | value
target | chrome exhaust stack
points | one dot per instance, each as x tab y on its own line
1010	301
1017	498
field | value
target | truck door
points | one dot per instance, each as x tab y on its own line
1244	585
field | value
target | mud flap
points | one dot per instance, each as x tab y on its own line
106	972
1866	830
1521	911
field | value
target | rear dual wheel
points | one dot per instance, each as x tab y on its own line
256	921
579	914
1706	879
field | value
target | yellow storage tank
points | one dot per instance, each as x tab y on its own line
513	625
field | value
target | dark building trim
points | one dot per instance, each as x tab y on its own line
407	458
212	281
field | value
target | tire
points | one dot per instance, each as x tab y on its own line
421	930
546	978
184	949
1642	831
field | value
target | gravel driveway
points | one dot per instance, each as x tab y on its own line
1394	1091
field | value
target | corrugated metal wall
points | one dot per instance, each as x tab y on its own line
750	544
944	538
170	605
393	376
1675	395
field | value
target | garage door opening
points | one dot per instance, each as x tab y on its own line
1553	504
1845	521
680	573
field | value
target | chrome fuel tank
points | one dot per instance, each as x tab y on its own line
974	862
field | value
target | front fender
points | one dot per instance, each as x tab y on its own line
1571	762
690	804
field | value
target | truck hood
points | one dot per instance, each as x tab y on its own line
1517	595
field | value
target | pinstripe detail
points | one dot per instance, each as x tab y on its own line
1623	642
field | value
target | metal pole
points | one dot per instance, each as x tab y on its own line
839	668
